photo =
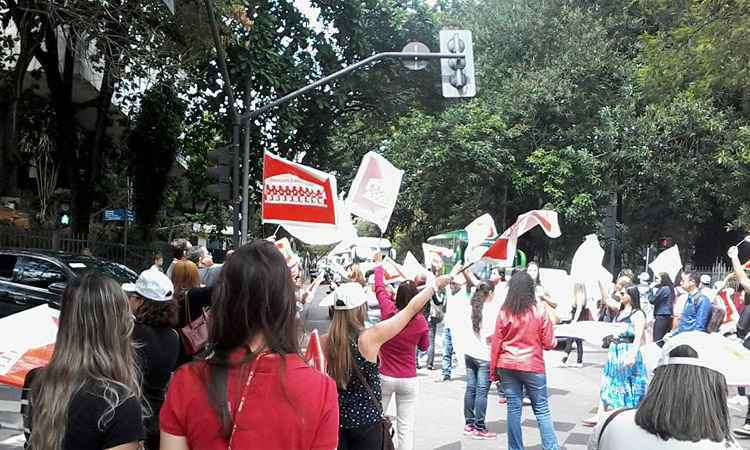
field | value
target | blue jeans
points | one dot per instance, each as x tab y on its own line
514	382
477	389
447	352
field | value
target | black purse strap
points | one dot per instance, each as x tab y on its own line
375	401
607	422
188	316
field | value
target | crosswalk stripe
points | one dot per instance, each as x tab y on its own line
10	406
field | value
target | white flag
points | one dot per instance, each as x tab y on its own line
481	229
375	190
412	266
669	262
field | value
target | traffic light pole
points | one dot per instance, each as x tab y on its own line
246	119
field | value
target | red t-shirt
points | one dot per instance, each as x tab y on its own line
301	414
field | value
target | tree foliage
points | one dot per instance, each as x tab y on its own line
153	144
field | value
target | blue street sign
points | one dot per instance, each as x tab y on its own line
118	215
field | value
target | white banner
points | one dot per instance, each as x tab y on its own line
375	189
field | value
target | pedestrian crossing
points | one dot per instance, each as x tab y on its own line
11	425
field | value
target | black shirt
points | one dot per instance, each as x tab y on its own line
158	349
88	428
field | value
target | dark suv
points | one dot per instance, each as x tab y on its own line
30	278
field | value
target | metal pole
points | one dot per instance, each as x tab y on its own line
245	181
378	56
648	257
250	115
233	114
236	203
125	231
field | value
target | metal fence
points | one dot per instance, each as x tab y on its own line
718	271
137	257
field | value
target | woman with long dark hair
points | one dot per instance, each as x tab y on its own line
352	354
625	377
398	356
254	389
522	332
663	302
471	336
685	407
89	395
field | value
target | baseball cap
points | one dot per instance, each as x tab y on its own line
705	279
643	277
714	352
346	296
152	285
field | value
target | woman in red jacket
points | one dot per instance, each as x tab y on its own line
522	332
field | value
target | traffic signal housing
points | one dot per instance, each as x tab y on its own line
457	75
219	171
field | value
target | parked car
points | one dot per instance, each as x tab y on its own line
29	278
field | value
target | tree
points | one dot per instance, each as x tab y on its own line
153	144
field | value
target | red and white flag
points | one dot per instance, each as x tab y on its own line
375	189
434	255
481	229
314	354
504	249
296	194
304	201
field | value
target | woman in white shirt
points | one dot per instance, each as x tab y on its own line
471	334
685	407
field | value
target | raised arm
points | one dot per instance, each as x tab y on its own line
471	279
372	338
547	334
387	305
739	271
607	299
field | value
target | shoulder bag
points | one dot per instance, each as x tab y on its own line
607	422
194	335
386	428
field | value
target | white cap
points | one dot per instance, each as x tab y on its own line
644	277
705	279
346	296
714	351
152	285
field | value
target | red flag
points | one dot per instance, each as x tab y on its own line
504	249
314	353
297	195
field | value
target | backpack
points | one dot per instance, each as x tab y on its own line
716	319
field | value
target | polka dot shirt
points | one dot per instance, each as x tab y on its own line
356	408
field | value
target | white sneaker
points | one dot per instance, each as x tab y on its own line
574	364
740	400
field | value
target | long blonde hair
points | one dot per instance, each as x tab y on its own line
93	347
345	326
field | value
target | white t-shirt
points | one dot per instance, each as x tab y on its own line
465	341
622	433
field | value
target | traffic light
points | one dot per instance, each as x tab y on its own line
665	243
457	74
219	171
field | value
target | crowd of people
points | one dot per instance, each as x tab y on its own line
126	370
